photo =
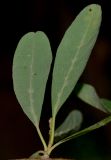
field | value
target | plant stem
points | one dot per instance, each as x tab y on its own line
52	129
39	155
41	138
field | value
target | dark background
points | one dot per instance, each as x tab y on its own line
18	137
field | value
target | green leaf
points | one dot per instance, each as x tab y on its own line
106	104
84	131
31	66
73	53
71	124
88	94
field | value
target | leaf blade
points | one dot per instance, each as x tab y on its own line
66	73
106	104
97	125
31	66
71	124
88	94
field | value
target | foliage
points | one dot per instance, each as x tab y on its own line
31	67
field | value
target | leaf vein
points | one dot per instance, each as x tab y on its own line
31	91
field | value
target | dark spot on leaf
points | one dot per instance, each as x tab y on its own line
90	9
35	74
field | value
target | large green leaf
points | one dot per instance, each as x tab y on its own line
31	66
70	125
88	94
73	53
106	104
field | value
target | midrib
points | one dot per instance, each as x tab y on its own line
31	90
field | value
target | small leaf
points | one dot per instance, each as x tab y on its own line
73	53
84	131
106	104
71	124
31	66
88	94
